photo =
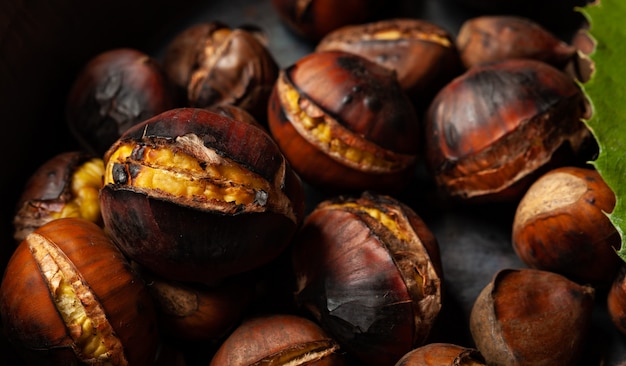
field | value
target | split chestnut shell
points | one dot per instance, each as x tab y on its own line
344	123
368	269
195	196
69	297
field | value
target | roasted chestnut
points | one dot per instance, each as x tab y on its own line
531	317
69	297
66	185
493	130
214	64
423	54
561	225
278	339
313	19
195	196
344	123
368	270
442	354
492	38
115	90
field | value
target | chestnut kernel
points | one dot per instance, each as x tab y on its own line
115	90
368	269
66	185
344	123
531	317
423	54
194	196
70	296
215	64
278	339
497	127
561	225
442	354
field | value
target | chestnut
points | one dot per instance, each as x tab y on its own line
531	317
423	54
313	19
491	38
493	130
616	300
344	123
115	90
368	269
560	225
215	64
65	185
278	339
69	296
194	196
442	354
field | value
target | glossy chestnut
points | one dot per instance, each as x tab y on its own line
213	64
531	317
423	54
344	123
278	339
442	354
70	297
195	196
66	185
368	270
616	300
494	129
561	225
115	90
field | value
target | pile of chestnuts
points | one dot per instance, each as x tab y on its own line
228	210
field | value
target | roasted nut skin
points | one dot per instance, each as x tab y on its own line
560	225
531	317
493	130
115	90
34	324
51	190
200	239
442	354
213	64
493	38
363	107
278	339
423	54
313	19
368	269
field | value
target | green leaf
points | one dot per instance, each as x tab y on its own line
606	91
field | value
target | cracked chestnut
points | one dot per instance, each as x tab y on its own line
493	130
561	225
368	269
278	339
213	64
69	297
66	185
422	53
194	196
115	90
344	123
531	317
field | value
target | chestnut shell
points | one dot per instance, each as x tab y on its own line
31	319
202	244
493	130
362	101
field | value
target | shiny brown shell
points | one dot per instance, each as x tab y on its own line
442	354
195	238
368	269
114	296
